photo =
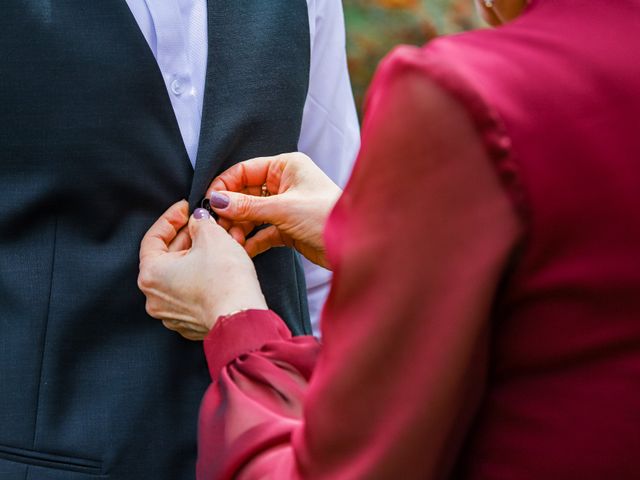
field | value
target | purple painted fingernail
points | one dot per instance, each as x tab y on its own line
200	214
218	200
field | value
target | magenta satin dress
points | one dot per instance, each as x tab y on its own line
484	321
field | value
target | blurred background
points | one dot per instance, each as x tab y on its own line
375	26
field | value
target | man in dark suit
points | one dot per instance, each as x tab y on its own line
97	138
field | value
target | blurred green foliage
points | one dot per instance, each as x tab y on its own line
375	26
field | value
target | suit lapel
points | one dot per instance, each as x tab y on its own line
255	84
207	163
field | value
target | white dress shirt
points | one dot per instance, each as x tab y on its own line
176	31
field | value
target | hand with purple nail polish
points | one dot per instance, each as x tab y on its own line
188	289
288	192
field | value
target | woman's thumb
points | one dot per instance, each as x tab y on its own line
240	207
202	228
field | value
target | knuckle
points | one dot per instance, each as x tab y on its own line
145	278
299	157
168	325
151	308
244	206
143	282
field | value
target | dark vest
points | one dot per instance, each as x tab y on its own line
91	154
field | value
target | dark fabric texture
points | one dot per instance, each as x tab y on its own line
90	156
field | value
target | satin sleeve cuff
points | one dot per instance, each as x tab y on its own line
240	333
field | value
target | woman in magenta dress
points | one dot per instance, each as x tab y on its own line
484	321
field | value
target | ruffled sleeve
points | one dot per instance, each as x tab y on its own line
260	374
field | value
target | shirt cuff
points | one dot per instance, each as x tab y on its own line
241	333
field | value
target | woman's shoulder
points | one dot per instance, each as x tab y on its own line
450	84
445	61
452	60
445	64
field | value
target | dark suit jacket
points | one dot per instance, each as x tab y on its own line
91	155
